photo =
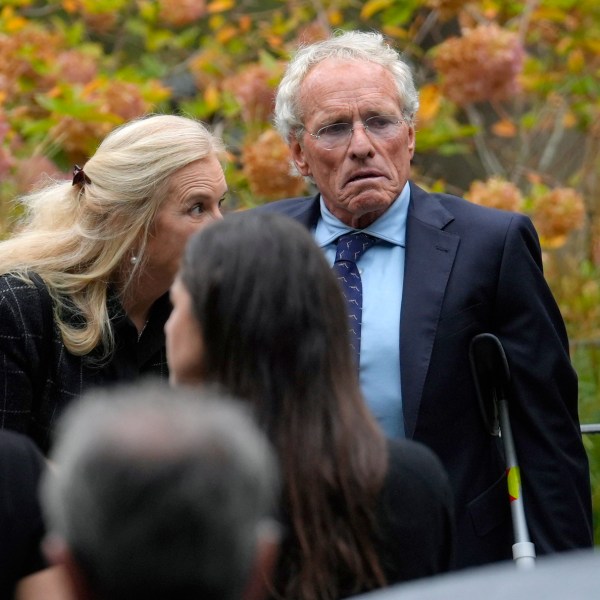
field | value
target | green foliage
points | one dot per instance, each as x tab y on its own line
586	359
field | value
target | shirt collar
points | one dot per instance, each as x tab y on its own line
390	226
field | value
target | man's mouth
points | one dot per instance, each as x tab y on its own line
360	175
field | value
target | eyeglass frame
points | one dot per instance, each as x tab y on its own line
395	120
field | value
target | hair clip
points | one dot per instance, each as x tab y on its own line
79	177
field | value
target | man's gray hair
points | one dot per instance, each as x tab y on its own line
160	493
352	45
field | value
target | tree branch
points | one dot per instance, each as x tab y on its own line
489	160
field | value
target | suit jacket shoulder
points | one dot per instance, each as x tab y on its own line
304	209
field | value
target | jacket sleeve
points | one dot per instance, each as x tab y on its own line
21	360
544	401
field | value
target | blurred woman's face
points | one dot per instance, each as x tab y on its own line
184	339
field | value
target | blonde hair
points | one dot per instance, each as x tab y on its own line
77	237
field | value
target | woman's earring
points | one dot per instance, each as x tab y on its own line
133	260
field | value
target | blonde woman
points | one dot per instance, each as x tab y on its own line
83	295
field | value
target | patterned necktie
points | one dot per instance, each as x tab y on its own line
350	248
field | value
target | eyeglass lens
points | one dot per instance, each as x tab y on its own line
381	126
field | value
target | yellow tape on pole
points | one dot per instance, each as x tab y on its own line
513	476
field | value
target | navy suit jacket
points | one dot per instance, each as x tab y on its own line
469	270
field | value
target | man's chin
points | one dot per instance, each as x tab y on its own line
367	202
364	212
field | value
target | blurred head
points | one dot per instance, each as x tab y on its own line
263	310
158	493
258	311
185	344
357	79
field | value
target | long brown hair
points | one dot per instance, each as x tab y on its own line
275	332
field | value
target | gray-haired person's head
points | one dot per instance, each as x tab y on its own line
160	493
350	46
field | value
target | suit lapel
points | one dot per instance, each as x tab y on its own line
430	254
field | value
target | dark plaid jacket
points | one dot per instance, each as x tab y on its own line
39	377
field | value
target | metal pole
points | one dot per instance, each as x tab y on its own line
492	382
523	549
590	428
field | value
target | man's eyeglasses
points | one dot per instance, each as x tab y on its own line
381	127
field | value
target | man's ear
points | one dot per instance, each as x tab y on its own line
259	585
411	140
297	151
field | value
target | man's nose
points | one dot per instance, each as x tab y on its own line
360	142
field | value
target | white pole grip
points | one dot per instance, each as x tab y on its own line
524	555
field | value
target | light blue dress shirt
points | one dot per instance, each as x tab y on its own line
382	274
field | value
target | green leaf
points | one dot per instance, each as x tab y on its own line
371	7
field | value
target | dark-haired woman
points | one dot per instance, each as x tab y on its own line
258	312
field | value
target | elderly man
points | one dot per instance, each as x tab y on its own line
423	274
160	494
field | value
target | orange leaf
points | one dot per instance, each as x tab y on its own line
212	97
15	23
504	128
275	41
395	32
430	103
335	17
576	61
557	241
245	23
569	120
70	6
226	34
218	6
592	45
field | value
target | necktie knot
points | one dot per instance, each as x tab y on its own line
351	246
